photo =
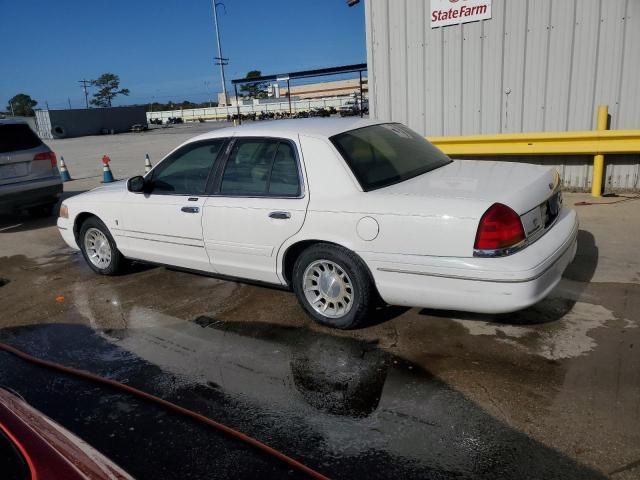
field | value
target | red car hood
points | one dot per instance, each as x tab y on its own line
50	451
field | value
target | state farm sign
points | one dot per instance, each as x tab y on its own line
453	12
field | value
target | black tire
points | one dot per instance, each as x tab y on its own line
58	131
364	292
118	262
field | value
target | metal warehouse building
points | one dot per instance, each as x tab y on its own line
88	121
527	66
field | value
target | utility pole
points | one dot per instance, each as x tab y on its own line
84	84
69	100
12	112
220	60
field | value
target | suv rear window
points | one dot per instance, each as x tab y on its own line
17	136
381	155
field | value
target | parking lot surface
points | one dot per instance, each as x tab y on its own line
83	155
549	392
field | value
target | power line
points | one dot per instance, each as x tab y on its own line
84	84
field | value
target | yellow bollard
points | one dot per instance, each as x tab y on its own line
598	160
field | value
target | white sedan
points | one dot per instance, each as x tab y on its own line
345	212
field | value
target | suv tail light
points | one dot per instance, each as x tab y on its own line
47	156
499	228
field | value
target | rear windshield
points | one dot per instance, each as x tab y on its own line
17	136
381	155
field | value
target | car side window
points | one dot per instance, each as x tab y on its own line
261	167
186	171
284	180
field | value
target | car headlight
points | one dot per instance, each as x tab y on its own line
64	211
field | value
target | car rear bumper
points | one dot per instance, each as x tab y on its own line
482	285
30	194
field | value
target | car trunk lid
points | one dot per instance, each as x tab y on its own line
521	186
532	191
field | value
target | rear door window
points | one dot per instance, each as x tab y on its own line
284	180
261	167
17	136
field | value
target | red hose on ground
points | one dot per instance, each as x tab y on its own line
625	199
171	406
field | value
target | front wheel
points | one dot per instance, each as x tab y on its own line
333	286
99	249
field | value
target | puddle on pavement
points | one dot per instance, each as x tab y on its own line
339	404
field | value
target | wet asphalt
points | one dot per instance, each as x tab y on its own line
341	405
550	392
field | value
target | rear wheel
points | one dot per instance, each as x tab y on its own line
99	249
333	286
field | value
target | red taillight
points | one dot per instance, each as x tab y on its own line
500	227
47	156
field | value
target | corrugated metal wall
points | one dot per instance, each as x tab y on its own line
537	65
622	172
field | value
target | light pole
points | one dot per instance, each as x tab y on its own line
220	60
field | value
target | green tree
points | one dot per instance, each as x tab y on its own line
254	90
21	105
108	85
186	104
158	107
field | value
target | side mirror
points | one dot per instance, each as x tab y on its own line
136	184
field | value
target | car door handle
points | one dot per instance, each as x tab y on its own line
280	215
190	209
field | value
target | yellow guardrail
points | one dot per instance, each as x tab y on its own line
592	142
552	143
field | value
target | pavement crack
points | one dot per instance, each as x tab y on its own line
625	468
495	403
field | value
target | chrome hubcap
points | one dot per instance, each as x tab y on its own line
328	288
97	247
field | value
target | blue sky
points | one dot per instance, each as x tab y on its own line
163	49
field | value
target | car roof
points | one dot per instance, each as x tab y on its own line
317	127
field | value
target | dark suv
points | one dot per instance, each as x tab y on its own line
29	177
